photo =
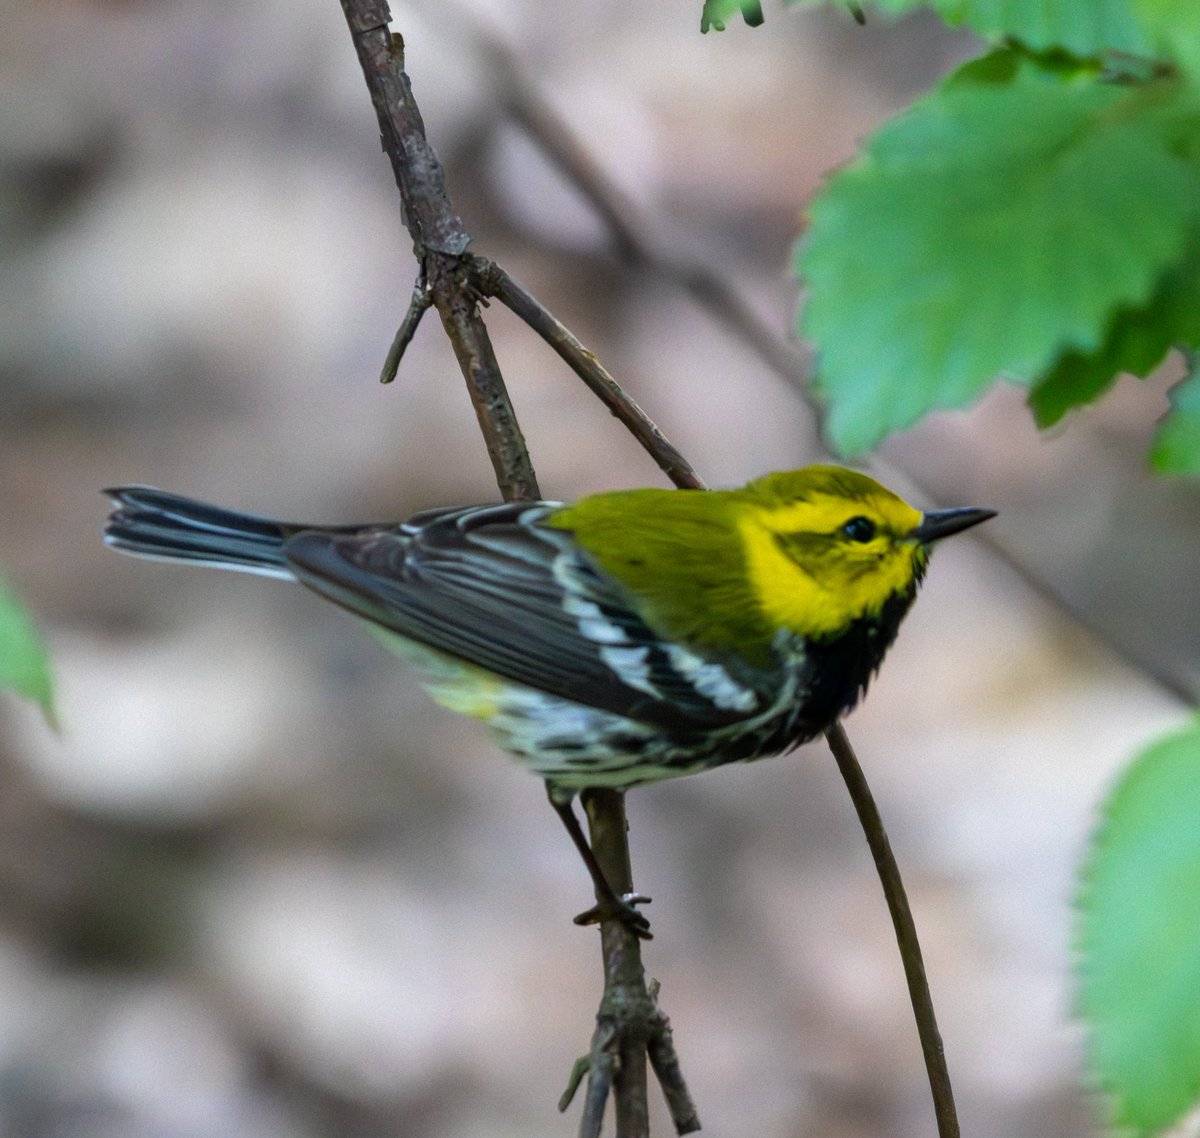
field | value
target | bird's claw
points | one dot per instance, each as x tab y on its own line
620	909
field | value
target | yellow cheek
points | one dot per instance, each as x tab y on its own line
789	597
894	573
824	602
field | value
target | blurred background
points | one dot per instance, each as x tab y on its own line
259	885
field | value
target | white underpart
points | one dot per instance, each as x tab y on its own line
710	680
536	724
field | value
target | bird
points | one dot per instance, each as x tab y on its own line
629	637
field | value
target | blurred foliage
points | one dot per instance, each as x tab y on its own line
24	665
1035	217
1139	942
1170	28
717	13
1176	447
999	227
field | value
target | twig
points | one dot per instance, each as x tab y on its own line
454	281
906	931
622	1022
417	307
584	363
661	1049
1171	682
439	241
629	1019
428	214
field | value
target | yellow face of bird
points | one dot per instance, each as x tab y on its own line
825	546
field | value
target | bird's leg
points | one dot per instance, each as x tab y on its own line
608	904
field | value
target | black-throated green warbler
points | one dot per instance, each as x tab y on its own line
633	636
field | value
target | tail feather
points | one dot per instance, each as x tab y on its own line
152	523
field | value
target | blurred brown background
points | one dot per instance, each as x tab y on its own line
260	886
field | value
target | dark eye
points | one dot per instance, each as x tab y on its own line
859	529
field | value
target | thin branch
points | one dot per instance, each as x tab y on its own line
458	307
621	1023
661	1049
453	281
1172	683
439	241
629	1020
584	363
906	931
427	211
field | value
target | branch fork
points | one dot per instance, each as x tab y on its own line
631	1028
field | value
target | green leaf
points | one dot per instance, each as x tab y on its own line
1083	27
1172	29
24	665
1139	942
991	229
717	13
1136	343
1176	447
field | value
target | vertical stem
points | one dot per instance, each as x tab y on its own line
472	345
624	977
906	930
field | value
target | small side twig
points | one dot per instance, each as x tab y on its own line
665	1064
440	241
906	930
420	303
600	1063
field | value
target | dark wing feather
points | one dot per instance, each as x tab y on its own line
480	584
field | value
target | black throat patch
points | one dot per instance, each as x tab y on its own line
841	667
